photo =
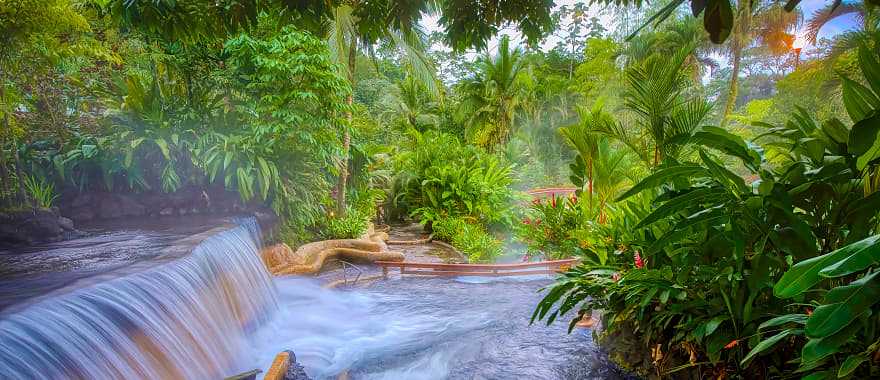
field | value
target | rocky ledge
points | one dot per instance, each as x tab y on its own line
35	226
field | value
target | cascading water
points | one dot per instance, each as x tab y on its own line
187	318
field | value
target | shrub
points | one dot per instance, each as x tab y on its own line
42	192
441	177
469	238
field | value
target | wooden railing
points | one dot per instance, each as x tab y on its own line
557	191
488	270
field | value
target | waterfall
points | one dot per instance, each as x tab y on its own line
187	318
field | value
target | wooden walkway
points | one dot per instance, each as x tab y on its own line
487	270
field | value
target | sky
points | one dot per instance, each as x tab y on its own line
807	7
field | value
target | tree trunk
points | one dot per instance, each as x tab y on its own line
590	183
5	177
734	84
18	173
342	185
738	41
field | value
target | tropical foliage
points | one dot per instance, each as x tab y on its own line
721	181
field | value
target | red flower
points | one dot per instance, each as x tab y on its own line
615	276
574	199
527	221
732	344
809	312
537	222
553	200
536	201
640	263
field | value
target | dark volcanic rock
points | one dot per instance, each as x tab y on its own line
118	205
28	227
295	371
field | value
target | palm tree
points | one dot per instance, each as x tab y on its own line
355	28
584	138
654	94
614	169
756	22
868	17
412	106
494	94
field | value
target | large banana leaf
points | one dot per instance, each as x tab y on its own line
842	305
805	274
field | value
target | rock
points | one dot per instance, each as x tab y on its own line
295	371
167	211
118	205
65	223
28	227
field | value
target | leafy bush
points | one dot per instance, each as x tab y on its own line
553	227
699	280
469	238
349	226
41	191
441	177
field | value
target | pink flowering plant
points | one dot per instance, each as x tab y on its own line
550	225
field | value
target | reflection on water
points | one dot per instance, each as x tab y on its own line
426	329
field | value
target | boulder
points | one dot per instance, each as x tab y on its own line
28	227
295	371
65	223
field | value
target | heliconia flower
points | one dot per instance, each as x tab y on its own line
640	263
809	312
537	221
527	221
536	201
553	200
732	344
574	199
615	276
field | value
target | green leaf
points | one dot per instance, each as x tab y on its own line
767	344
713	324
728	143
682	228
227	160
822	375
858	100
870	67
678	204
860	255
718	20
843	305
661	177
850	365
163	146
725	177
805	274
783	319
818	348
864	133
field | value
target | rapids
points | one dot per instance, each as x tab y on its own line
216	312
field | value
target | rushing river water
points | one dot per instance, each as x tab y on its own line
417	328
216	312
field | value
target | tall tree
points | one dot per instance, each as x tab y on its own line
494	94
356	27
757	22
